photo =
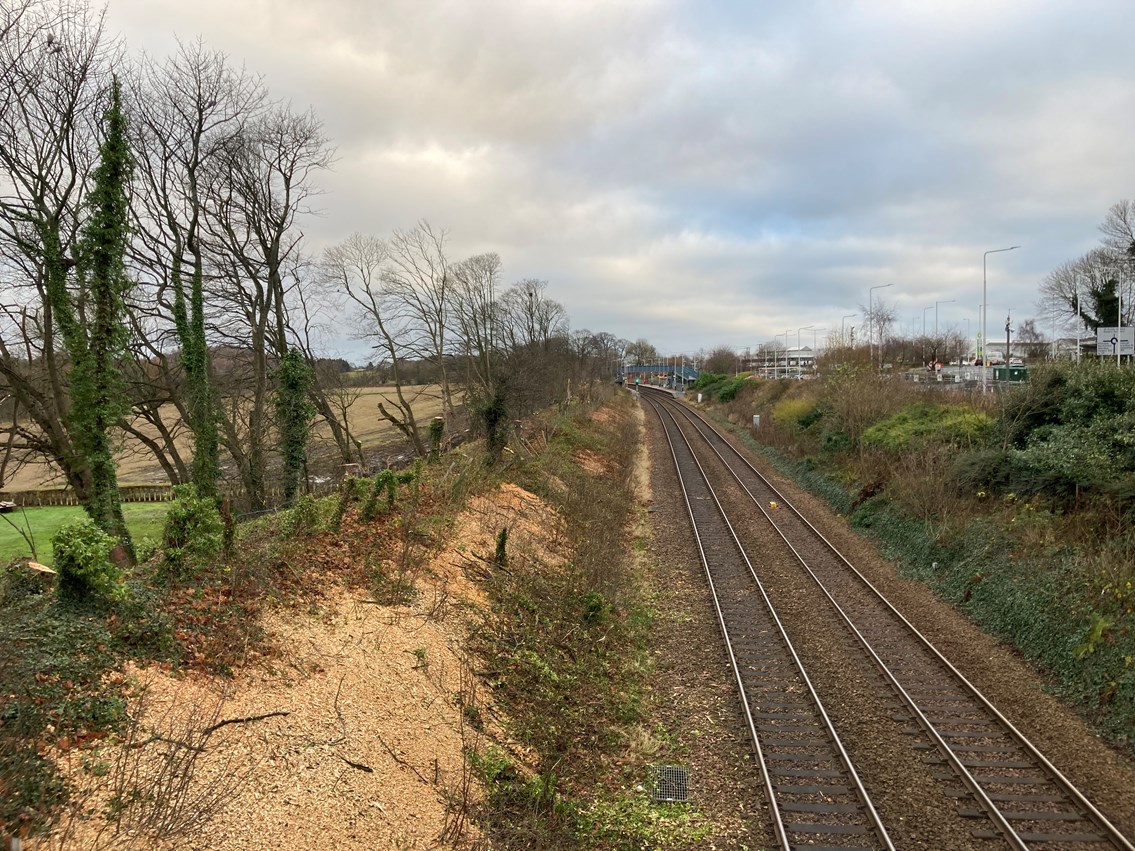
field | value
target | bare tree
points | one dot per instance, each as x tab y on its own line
190	111
417	274
721	360
260	184
330	394
1118	229
356	267
879	318
641	352
476	317
1087	288
532	319
1031	339
53	61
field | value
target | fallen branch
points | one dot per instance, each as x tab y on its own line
357	765
399	759
208	731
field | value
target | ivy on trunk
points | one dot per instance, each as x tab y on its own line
93	324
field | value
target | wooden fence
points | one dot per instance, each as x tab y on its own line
273	496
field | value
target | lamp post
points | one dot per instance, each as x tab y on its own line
849	316
871	317
814	330
984	313
1079	322
798	345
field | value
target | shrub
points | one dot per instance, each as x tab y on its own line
342	502
835	440
858	398
436	431
303	517
708	378
82	559
383	483
193	533
989	470
730	388
791	413
924	426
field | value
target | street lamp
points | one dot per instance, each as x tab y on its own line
984	315
798	344
931	307
871	317
798	330
849	316
947	301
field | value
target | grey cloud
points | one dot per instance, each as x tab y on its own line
696	173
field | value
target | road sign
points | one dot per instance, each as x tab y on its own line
1113	341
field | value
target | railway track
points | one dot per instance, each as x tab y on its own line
999	780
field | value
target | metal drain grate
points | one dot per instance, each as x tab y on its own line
670	783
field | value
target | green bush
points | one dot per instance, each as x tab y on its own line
988	470
923	426
731	388
791	414
82	560
384	482
193	533
346	496
835	440
436	432
707	379
303	517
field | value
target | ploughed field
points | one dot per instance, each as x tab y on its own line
138	467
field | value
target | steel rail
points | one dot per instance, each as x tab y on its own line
1111	834
779	826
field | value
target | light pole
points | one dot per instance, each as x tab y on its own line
849	316
871	317
1079	322
984	313
931	307
798	345
814	330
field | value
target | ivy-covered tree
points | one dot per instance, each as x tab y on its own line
93	324
294	415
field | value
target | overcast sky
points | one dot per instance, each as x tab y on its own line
710	173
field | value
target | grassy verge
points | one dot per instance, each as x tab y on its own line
144	520
567	644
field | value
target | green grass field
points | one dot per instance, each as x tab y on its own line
144	519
